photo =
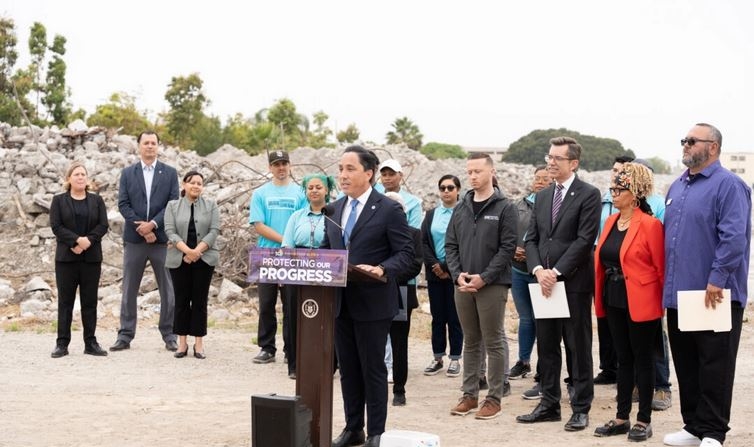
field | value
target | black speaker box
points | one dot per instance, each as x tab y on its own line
279	421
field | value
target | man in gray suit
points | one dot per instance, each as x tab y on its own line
145	189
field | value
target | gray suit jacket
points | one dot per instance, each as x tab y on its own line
206	220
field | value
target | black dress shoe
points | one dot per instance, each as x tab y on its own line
264	357
612	429
605	378
373	441
181	354
399	399
197	354
348	438
171	345
95	349
540	414
59	351
120	345
578	421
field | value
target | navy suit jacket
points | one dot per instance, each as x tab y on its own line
567	244
381	236
132	199
63	223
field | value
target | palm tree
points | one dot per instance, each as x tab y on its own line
406	132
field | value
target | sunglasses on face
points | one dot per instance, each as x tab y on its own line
617	191
447	188
692	141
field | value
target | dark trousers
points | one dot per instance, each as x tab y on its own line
360	346
705	365
290	329
608	355
70	276
399	342
268	322
576	333
191	286
442	305
635	344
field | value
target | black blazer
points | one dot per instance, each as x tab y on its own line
567	245
63	223
381	236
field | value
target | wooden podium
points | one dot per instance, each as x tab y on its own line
315	352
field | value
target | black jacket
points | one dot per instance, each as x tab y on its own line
484	243
63	223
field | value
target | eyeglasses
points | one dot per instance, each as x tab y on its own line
556	158
692	141
617	191
447	188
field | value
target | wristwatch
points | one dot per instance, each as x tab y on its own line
383	269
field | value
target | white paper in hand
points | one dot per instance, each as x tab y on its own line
556	306
694	316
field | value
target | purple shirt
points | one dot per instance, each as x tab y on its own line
707	234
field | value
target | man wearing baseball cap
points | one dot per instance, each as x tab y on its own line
271	206
391	176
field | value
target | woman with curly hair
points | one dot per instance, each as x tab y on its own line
629	273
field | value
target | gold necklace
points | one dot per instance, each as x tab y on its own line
624	223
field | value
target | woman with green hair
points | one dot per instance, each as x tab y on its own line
306	229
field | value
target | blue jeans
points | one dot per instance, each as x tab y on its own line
443	308
662	365
527	330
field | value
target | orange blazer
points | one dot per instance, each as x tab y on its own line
642	258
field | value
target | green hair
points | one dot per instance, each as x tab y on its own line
327	180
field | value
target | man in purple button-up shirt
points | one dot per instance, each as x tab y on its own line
707	243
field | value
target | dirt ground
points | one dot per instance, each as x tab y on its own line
144	396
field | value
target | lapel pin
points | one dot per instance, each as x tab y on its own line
373	207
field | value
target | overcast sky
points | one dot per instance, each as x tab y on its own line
469	73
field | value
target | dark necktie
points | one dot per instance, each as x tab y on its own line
350	223
557	201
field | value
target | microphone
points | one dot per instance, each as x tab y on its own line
328	211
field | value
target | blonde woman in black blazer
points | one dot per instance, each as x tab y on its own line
79	221
192	224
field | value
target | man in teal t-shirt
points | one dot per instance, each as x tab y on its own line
271	207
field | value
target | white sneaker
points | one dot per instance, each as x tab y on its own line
681	438
710	442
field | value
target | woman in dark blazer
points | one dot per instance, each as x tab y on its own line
192	224
79	221
629	272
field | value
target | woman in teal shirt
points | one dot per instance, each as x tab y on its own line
306	229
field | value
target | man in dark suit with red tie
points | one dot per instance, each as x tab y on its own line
559	246
374	230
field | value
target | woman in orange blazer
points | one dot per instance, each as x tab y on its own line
629	269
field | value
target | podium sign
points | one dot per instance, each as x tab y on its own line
298	266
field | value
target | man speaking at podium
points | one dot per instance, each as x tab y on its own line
375	232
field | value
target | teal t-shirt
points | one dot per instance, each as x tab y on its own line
273	205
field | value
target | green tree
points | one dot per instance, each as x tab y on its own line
37	51
659	165
406	132
293	127
597	154
206	135
120	113
319	138
9	110
237	131
56	93
349	135
187	102
437	151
